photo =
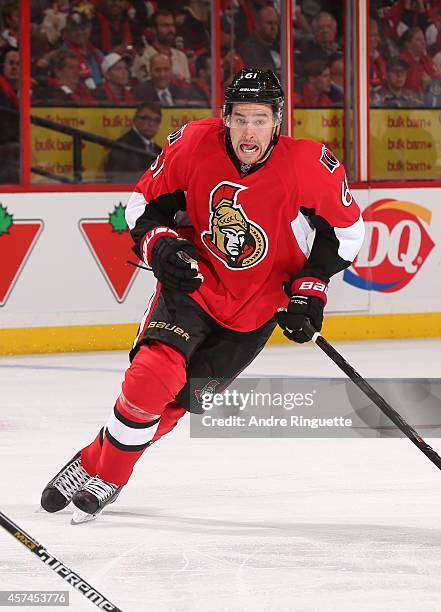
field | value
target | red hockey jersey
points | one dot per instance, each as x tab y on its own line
251	230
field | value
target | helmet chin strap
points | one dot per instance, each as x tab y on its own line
244	168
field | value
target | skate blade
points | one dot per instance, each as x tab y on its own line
79	517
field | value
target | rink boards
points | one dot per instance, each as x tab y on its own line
66	285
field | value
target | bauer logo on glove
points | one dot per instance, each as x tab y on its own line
307	299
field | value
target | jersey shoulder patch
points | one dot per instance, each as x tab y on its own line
328	159
309	153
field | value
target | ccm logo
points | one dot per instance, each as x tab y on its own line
310	285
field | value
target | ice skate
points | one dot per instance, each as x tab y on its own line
59	491
91	499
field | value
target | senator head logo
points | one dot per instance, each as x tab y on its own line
396	245
232	237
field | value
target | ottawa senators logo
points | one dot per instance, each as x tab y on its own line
232	238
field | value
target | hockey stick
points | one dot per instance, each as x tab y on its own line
379	401
68	575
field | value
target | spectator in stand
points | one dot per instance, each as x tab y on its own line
126	167
10	80
389	16
231	61
260	49
202	82
324	28
433	31
77	39
40	56
112	29
337	68
432	98
413	13
64	87
422	69
243	14
115	89
164	32
11	23
311	8
377	59
54	21
160	88
194	27
302	27
316	91
9	121
394	93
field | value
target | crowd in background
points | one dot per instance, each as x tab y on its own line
130	53
127	52
405	53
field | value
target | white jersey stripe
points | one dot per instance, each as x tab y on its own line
302	230
135	207
350	239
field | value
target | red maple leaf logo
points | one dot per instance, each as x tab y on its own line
17	239
110	243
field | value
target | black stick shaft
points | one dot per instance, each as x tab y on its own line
62	570
362	384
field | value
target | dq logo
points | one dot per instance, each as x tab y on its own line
395	247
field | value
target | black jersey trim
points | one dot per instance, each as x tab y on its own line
133	424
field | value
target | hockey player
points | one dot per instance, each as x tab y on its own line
222	217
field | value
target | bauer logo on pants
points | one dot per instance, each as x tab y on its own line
110	243
238	242
396	245
17	239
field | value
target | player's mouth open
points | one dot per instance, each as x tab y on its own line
249	148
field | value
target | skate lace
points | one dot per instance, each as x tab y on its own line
100	488
71	479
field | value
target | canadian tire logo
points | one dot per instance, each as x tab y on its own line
396	245
17	239
110	243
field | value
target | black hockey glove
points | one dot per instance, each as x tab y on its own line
307	299
174	263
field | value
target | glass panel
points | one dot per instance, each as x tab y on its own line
110	80
319	72
405	67
10	94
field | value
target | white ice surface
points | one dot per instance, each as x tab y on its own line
261	525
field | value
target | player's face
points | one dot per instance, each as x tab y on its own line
251	129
